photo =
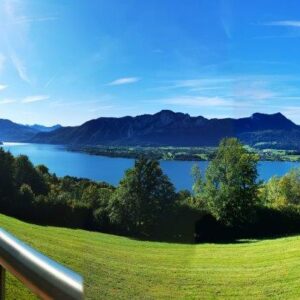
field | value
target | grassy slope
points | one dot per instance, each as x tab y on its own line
117	267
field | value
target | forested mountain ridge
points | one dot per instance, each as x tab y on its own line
167	128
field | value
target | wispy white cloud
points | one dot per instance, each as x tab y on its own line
255	94
226	81
230	92
101	108
2	61
3	87
250	88
195	84
212	106
205	82
292	31
9	7
16	24
7	101
284	23
100	101
20	68
226	18
50	81
198	101
15	36
15	13
124	80
29	19
35	98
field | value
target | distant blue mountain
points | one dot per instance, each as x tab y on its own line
167	128
13	132
41	128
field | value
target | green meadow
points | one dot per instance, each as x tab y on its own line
117	267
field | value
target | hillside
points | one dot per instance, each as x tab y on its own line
117	267
167	128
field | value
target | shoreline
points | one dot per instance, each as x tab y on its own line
179	153
168	153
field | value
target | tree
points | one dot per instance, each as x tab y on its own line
25	173
290	187
143	195
197	200
42	169
97	199
26	196
7	187
90	196
282	191
100	214
231	183
271	193
198	184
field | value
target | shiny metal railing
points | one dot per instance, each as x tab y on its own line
45	277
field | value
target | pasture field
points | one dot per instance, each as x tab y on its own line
122	268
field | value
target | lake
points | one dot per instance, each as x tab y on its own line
111	170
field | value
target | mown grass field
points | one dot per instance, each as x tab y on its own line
116	267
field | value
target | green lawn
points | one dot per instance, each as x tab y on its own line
116	267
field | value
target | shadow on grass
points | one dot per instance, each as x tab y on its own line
238	240
191	230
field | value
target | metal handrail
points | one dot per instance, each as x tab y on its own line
45	277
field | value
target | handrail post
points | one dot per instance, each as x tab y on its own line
2	283
45	277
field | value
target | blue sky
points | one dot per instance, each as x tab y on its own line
68	61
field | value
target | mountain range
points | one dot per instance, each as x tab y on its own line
165	128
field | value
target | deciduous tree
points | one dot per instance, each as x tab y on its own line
231	183
142	196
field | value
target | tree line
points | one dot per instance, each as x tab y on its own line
227	202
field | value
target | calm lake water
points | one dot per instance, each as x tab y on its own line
111	170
